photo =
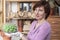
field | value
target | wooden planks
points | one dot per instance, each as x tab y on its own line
55	25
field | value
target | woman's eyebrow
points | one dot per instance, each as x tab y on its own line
40	10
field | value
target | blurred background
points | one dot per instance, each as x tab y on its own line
20	13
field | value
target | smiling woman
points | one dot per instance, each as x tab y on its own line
40	28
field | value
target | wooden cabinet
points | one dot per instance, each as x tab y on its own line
14	12
24	24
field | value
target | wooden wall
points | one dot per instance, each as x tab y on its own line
55	25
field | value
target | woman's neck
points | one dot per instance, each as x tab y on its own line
40	21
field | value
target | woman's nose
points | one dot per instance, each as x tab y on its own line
37	12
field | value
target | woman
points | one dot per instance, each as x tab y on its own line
40	28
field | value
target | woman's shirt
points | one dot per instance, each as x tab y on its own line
42	32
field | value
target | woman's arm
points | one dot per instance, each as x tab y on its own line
29	36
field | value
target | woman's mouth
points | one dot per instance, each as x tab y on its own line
37	15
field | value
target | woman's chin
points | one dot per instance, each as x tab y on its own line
38	18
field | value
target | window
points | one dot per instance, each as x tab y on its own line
25	7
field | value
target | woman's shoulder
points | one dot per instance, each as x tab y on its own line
47	23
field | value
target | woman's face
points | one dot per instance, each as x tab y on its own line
39	13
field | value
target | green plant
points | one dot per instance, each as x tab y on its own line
9	28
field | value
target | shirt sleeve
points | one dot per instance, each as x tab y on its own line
43	32
29	36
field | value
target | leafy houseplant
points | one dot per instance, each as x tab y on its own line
9	28
11	31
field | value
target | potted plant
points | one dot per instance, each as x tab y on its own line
9	28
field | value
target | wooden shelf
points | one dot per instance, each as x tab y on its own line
23	18
23	0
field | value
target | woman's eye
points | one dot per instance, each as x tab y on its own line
35	10
40	10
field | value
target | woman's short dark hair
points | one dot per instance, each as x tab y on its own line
46	6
